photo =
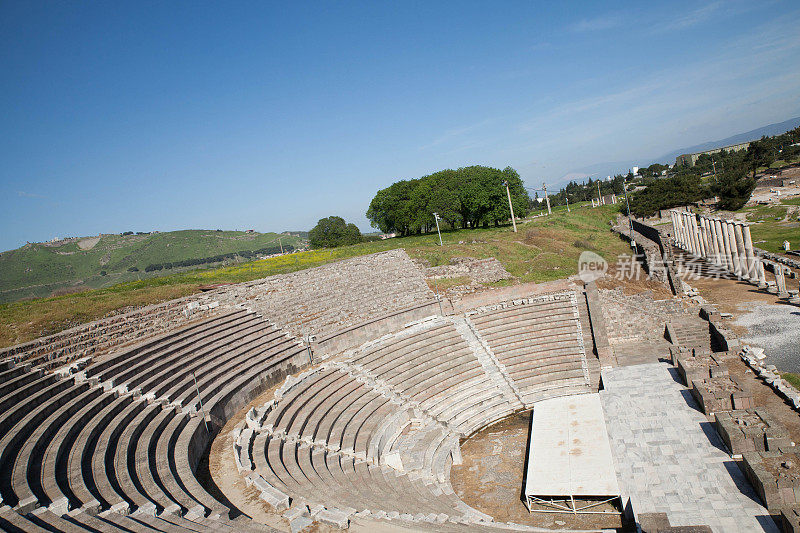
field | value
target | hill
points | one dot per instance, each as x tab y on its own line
768	131
70	265
545	249
610	168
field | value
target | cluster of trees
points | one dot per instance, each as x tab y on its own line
332	232
246	254
468	197
583	192
653	171
731	176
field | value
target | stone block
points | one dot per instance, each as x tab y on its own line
653	522
724	393
774	475
699	367
333	518
751	430
301	523
790	519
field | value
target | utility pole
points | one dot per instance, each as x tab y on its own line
546	198
281	244
436	217
511	207
630	221
714	164
567	199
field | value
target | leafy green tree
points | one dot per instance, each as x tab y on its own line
332	232
466	197
734	188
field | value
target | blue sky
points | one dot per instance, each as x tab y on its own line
142	115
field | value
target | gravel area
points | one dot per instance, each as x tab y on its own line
776	328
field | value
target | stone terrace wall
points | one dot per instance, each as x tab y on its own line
639	317
336	296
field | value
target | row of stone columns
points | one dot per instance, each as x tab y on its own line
725	243
728	245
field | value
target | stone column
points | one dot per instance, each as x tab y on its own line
701	230
762	277
744	266
780	280
682	225
692	234
723	244
712	236
674	227
712	228
748	249
733	250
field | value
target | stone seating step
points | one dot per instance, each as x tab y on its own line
53	522
14	522
395	363
30	419
135	370
19	403
78	468
555	320
10	375
128	491
520	311
145	458
122	359
51	488
185	387
104	484
148	374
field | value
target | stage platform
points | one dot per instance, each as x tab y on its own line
570	466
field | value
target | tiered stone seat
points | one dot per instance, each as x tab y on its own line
436	369
332	297
539	344
95	338
376	432
72	449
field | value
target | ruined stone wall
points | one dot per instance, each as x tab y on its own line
639	317
332	297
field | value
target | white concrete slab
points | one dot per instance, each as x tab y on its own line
570	454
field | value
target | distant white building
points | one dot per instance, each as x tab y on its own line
635	171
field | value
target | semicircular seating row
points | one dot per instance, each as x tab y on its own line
124	436
376	433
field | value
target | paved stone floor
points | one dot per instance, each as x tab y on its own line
669	458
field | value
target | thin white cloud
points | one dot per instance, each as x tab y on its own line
24	194
603	22
693	18
455	133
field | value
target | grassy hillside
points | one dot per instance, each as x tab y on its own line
44	269
771	225
544	249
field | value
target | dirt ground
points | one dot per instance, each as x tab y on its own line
765	396
491	479
759	319
227	479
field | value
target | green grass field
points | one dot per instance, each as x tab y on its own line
42	269
544	249
771	226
